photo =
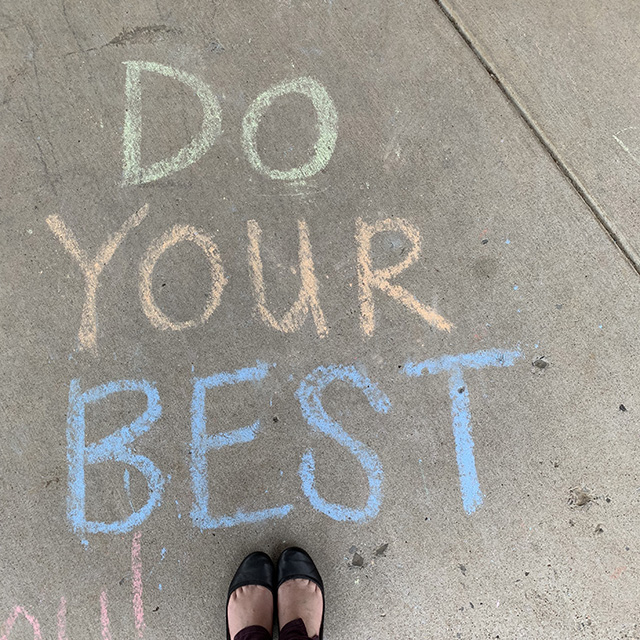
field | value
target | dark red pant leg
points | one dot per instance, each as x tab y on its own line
295	630
254	632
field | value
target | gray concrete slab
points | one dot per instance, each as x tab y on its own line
546	545
572	66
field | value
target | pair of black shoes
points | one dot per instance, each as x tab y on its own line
258	569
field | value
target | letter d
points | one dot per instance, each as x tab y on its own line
133	173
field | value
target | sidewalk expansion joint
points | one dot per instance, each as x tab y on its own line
609	226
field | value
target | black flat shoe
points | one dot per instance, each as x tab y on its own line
295	563
255	569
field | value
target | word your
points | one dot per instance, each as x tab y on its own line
105	625
370	279
134	173
116	447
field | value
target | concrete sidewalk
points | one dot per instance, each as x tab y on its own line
307	274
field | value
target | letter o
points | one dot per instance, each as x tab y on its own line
327	127
179	233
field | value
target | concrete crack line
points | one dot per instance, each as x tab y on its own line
610	227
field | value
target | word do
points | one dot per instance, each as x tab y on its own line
134	173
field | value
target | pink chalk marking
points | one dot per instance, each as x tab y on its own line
104	616
136	570
11	620
618	572
62	619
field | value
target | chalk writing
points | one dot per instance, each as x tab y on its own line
62	619
309	395
308	297
13	616
180	233
136	583
202	443
132	171
460	410
111	448
370	278
87	334
327	128
311	392
105	627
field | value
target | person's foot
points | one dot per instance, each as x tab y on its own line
248	606
299	598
